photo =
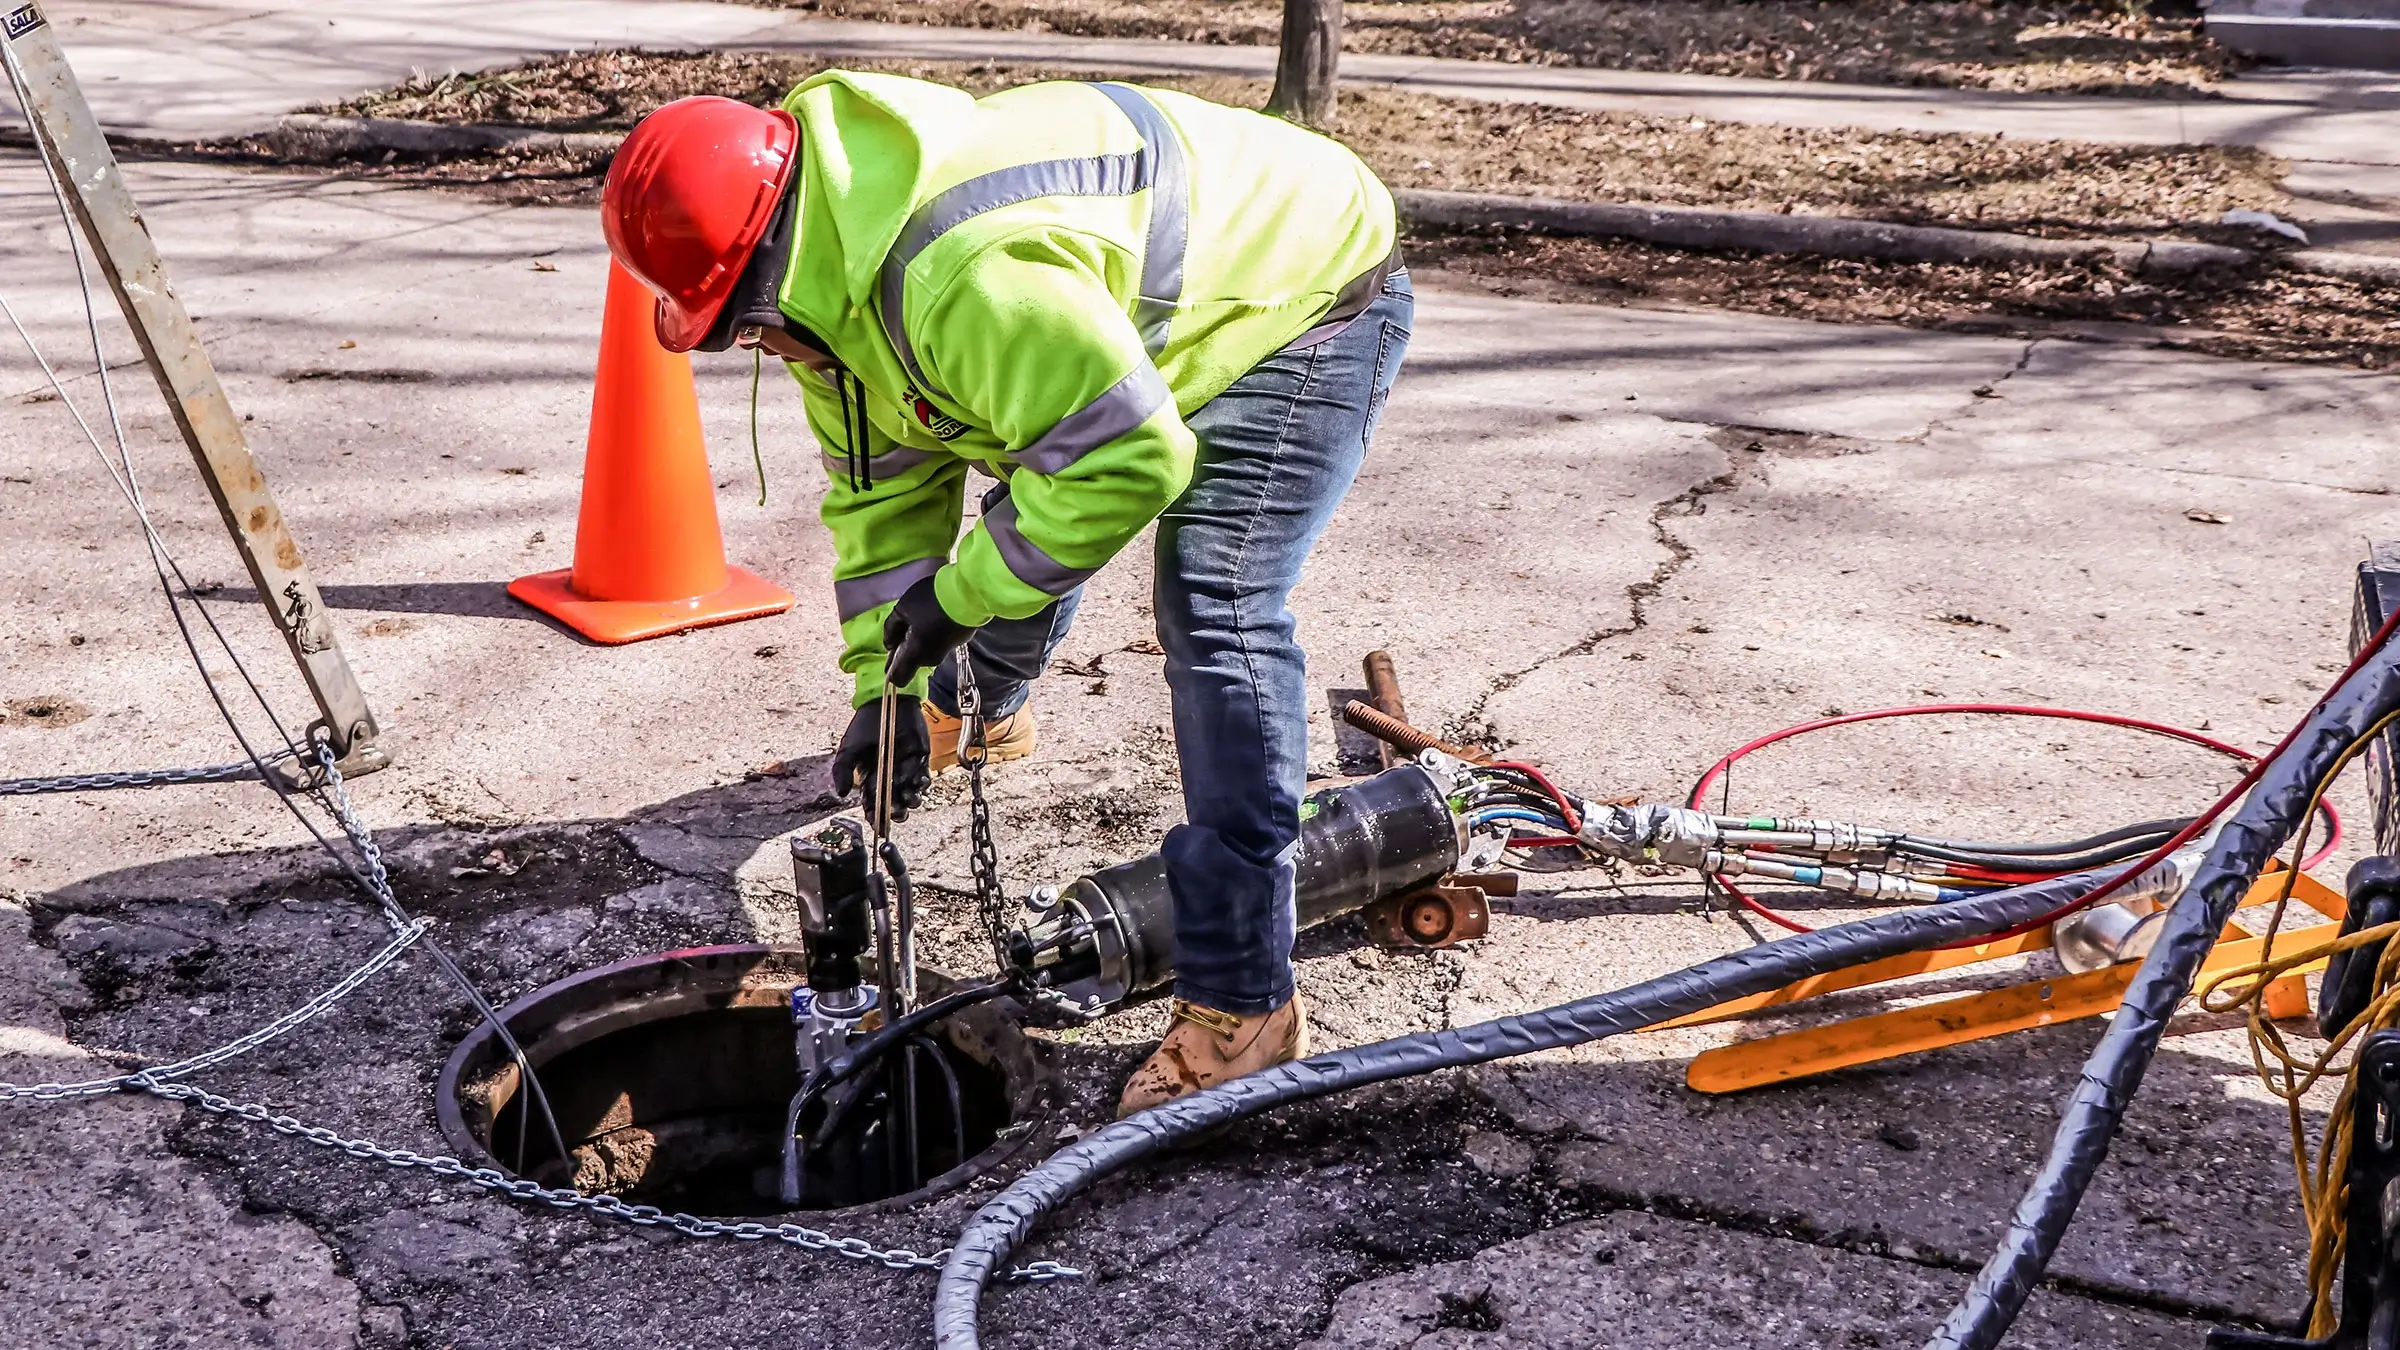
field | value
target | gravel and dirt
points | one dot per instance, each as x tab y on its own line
2074	47
2058	188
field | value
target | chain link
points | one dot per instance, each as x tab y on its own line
133	778
370	856
518	1188
983	856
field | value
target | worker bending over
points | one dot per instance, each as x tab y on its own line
1123	304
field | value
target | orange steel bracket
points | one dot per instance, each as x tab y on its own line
2034	1003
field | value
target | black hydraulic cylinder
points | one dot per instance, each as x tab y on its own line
1363	842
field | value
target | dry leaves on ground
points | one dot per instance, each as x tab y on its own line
2078	46
1414	140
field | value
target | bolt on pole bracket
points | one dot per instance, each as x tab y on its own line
71	138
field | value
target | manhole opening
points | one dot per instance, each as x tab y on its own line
671	1076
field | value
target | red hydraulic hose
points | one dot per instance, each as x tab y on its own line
1718	770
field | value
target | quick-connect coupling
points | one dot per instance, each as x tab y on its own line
1803	835
2126	928
1850	881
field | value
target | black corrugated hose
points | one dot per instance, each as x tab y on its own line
2266	818
2274	808
985	1244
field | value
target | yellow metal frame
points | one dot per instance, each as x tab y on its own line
1972	1017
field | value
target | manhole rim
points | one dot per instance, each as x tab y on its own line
1034	1102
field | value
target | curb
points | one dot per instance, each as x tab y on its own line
310	137
1770	232
2367	267
306	136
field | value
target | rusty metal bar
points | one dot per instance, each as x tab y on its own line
1383	694
1394	732
71	138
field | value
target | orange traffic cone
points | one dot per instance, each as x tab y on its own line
649	560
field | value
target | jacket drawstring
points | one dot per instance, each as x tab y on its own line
853	394
866	461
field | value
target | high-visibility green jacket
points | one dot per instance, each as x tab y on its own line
1044	283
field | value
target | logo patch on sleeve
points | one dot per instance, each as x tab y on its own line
943	426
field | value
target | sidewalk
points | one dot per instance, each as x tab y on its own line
198	69
2340	130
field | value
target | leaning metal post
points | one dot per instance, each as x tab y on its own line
71	138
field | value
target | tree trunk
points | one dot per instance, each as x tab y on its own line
1304	73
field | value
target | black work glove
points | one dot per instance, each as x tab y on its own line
911	750
918	633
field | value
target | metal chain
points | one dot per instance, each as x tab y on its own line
132	778
161	1082
983	856
518	1188
234	1049
370	856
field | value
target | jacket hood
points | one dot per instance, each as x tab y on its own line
867	147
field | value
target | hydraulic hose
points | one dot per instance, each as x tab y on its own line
2276	805
1717	771
995	1232
876	1043
2124	852
2149	831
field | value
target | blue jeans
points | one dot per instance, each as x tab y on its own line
1278	451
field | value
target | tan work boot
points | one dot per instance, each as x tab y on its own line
1009	738
1205	1047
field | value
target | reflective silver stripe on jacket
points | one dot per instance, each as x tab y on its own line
857	595
1170	218
898	459
1158	165
1026	558
1115	411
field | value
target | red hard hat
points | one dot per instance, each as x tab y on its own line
692	190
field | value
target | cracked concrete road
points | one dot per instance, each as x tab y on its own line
1619	540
